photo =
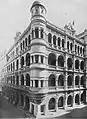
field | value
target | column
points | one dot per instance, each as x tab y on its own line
73	99
65	101
56	105
74	81
39	32
39	59
19	63
65	81
31	60
39	83
19	79
33	83
24	103
44	59
38	110
80	98
24	80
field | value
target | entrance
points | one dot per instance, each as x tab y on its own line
32	109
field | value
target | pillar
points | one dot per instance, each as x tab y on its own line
65	81
65	101
73	99
38	110
39	59
39	83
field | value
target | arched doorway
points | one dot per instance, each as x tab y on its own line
27	59
22	100
51	105
77	99
77	80
60	102
69	63
51	80
69	81
27	103
69	101
22	79
77	64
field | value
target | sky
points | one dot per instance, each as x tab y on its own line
15	16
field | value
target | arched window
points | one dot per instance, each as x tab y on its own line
77	64
26	42
78	49
69	63
17	80
69	80
60	102
61	61
29	40
51	80
11	66
54	40
27	80
77	80
22	61
77	99
36	33
75	48
71	46
27	59
52	59
69	101
49	38
42	32
63	43
68	45
82	65
83	51
61	80
32	34
22	79
82	81
59	40
17	64
51	104
23	44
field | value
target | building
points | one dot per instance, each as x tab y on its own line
46	67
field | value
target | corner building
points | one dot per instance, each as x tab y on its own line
46	67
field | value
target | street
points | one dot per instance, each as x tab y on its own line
8	110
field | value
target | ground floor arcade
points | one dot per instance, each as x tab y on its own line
50	103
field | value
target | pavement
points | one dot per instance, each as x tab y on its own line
8	110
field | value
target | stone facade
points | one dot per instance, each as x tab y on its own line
46	67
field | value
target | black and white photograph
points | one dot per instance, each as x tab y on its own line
43	59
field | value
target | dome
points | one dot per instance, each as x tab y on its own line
36	2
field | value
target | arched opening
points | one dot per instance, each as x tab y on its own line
63	43
49	38
69	81
27	59
61	80
23	44
75	48
69	63
42	33
71	46
54	40
69	101
78	49
83	97
17	80
36	33
51	80
52	59
82	81
22	100
27	103
29	39
68	45
82	65
13	79
32	33
77	80
51	104
77	64
26	42
22	62
77	99
27	80
22	79
61	61
83	51
17	64
60	102
59	40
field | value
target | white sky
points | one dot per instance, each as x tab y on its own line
15	16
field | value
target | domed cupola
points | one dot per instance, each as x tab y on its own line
37	10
